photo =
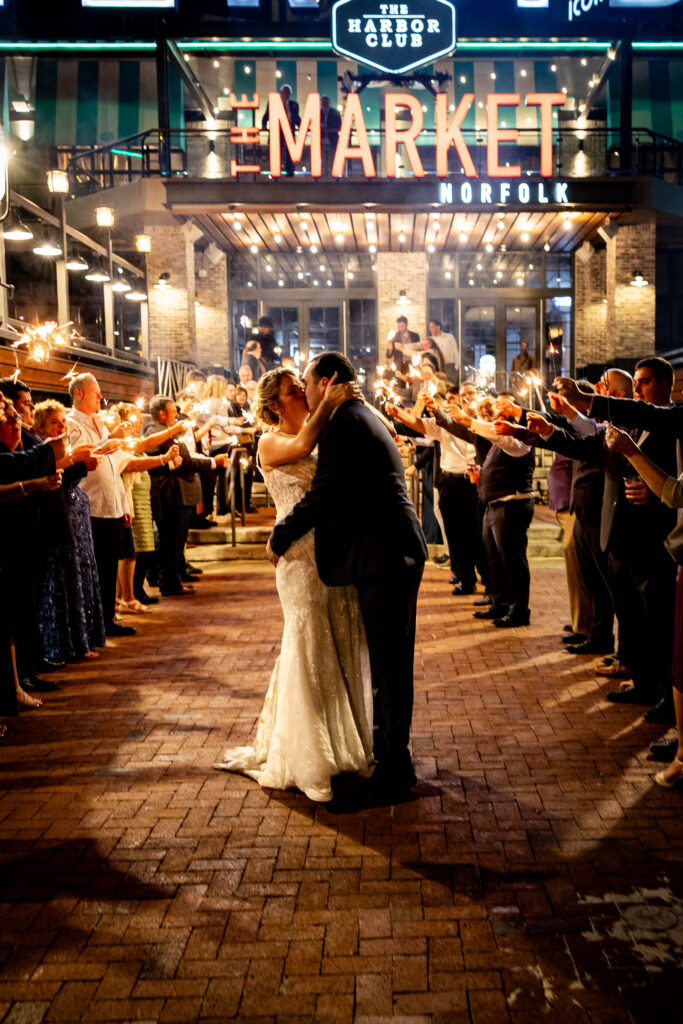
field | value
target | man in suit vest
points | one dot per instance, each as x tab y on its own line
366	533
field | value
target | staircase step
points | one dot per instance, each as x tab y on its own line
223	535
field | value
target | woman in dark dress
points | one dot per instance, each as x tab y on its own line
70	615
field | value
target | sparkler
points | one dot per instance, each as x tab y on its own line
72	372
41	340
140	402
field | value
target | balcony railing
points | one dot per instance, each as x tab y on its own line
208	154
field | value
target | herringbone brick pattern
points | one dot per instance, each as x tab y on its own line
538	874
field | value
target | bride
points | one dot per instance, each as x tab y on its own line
316	720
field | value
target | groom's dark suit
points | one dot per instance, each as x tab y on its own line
367	533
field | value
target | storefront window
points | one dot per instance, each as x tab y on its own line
35	285
244	320
86	308
362	339
127	326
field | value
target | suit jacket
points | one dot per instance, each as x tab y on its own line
621	523
177	486
364	521
628	412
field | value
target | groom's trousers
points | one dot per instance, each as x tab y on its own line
388	605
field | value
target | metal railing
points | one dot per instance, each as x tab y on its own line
203	153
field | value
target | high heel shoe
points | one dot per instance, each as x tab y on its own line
25	700
133	607
661	779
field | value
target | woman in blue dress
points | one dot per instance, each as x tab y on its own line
70	615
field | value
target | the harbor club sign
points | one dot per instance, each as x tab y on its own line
393	37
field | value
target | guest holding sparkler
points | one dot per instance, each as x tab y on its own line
139	535
670	491
177	493
632	533
505	489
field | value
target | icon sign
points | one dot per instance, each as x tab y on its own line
393	37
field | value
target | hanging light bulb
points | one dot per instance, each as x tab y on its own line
15	229
76	263
98	274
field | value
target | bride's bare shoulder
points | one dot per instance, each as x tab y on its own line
276	449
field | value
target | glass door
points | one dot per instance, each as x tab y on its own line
304	330
523	354
478	332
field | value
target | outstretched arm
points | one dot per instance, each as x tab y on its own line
406	417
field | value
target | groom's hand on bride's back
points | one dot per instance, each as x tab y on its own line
271	554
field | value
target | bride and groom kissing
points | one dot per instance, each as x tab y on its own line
349	555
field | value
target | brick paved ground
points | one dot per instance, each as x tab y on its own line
538	873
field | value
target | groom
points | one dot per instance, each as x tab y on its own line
366	533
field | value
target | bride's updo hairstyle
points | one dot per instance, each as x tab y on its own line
267	394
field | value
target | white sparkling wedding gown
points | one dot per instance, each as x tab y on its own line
316	720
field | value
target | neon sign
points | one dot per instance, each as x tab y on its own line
403	133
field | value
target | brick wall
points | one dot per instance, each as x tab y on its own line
590	308
172	327
396	271
631	311
211	315
612	318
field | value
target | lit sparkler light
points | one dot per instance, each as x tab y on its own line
72	372
40	340
140	402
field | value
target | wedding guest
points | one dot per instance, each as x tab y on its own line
449	349
670	491
177	493
138	467
109	511
251	357
242	399
70	611
247	381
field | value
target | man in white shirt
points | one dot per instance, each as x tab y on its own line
449	348
109	511
457	497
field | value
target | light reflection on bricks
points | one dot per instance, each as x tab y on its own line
537	872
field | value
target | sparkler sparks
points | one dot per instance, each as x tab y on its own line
41	340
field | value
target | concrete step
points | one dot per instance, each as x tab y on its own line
223	535
214	545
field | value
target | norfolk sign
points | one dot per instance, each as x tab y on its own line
396	37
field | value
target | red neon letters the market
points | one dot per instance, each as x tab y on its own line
447	133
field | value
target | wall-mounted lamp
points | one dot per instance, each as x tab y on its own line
402	299
135	296
104	216
638	280
163	281
143	243
212	146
